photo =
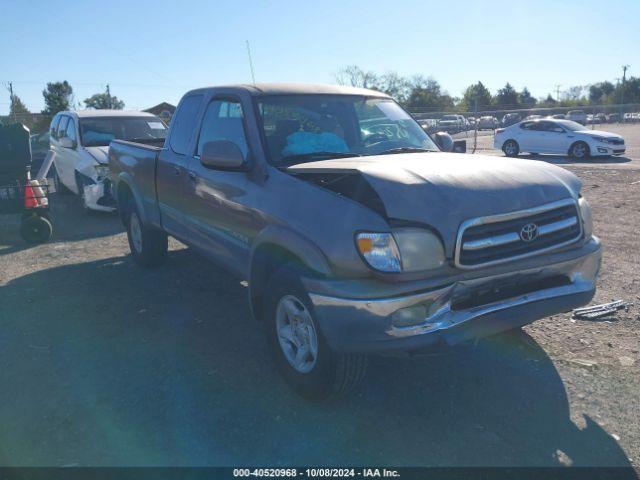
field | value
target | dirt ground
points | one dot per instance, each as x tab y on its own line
107	364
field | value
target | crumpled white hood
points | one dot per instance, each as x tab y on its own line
100	154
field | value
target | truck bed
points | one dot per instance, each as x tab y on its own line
138	161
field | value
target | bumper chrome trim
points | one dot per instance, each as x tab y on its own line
366	324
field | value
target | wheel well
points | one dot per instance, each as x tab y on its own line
124	197
266	260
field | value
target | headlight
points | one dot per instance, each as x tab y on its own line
102	171
585	214
419	249
380	251
407	250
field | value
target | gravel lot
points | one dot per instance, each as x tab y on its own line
107	364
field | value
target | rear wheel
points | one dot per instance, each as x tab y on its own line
35	229
302	355
579	151
511	148
148	246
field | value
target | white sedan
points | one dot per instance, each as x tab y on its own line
562	137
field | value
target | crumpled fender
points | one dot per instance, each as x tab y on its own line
85	164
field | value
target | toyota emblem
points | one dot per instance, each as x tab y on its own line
529	232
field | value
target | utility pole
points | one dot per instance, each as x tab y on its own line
109	96
624	79
557	85
11	109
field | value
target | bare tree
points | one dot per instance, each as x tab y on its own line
356	77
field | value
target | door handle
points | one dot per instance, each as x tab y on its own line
176	170
192	176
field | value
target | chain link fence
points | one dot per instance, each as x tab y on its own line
484	121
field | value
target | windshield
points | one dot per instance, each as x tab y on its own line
98	132
449	117
573	126
313	127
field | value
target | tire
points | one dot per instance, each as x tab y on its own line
511	148
579	151
324	376
148	246
35	229
58	185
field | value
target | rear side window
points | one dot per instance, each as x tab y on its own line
184	123
223	121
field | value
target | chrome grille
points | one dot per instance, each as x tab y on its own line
500	238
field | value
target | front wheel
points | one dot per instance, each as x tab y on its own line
511	148
148	246
579	151
302	356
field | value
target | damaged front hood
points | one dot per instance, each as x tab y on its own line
100	154
444	189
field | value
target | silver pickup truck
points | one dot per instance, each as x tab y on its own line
356	234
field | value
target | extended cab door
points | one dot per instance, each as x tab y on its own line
171	175
219	220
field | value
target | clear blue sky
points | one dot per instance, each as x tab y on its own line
150	51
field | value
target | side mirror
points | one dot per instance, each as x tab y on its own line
444	141
222	154
66	142
460	146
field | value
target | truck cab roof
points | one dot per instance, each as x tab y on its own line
260	89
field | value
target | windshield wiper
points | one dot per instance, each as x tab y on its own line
318	156
403	150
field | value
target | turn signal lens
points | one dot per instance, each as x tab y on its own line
380	251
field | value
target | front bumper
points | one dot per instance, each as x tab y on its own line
367	325
606	150
98	195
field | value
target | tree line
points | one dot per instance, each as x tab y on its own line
58	96
418	93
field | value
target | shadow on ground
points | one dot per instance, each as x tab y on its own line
564	160
70	223
107	364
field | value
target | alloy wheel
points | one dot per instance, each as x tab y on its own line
296	334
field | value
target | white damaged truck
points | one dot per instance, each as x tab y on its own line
79	142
